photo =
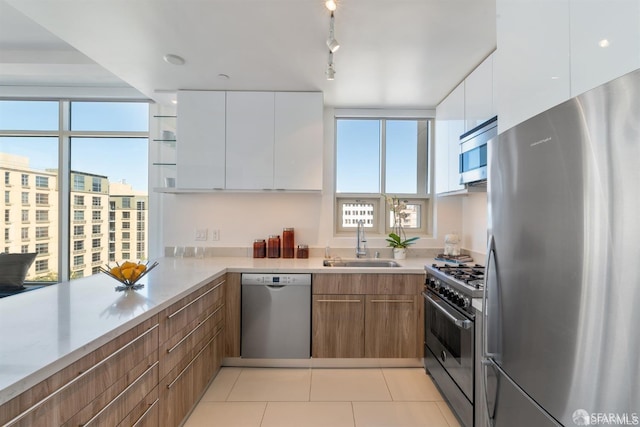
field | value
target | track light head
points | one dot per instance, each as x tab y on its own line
333	44
331	5
331	72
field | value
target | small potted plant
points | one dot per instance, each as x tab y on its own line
397	239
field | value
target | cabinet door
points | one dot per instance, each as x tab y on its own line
449	127
532	65
200	149
592	23
338	326
298	141
392	326
442	154
250	138
478	95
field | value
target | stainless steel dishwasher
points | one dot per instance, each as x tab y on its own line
276	316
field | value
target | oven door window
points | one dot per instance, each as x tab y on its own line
448	334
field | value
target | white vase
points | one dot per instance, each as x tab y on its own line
399	253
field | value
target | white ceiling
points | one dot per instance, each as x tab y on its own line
393	54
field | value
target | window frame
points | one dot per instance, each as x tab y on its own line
423	195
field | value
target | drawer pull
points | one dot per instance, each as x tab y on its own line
139	420
122	393
194	359
76	379
195	300
169	350
338	300
392	300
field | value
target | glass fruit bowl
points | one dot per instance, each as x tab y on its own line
129	273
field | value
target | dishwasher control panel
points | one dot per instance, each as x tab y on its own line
275	279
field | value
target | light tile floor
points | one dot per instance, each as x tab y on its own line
275	397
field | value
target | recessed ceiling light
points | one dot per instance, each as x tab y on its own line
331	5
173	59
603	43
174	101
223	76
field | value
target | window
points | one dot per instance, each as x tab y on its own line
42	199
42	232
95	243
7	215
42	248
42	265
95	134
126	203
78	230
95	229
126	215
126	225
95	257
24	233
126	255
78	245
96	215
95	270
391	159
140	216
140	206
78	260
42	182
24	215
78	215
140	226
96	185
140	236
24	249
126	235
78	184
126	246
6	236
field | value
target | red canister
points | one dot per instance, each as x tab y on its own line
273	246
288	248
259	248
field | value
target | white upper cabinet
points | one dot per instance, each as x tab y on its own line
552	50
532	59
450	124
200	147
250	140
298	141
605	41
479	105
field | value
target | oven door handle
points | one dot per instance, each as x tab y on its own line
460	323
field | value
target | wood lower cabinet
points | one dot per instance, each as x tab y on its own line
367	315
338	326
192	333
102	388
391	326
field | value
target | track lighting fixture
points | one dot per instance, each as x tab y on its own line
332	43
331	5
331	71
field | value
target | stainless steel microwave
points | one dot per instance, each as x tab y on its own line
473	151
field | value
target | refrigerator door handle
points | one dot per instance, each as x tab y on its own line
485	309
490	404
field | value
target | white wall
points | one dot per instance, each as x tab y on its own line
474	222
243	217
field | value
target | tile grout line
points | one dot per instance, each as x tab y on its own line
353	414
384	377
226	399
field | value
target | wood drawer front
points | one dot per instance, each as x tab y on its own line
181	388
189	311
392	326
183	345
146	413
358	284
112	406
338	326
59	400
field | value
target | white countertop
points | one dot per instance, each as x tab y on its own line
49	328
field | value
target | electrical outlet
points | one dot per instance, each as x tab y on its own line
215	234
201	234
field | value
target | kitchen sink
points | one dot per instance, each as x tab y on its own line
360	263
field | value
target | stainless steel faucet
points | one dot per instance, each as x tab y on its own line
361	241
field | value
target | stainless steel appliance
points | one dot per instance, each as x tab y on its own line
276	316
563	283
473	151
450	332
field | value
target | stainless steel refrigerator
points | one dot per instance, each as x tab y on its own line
562	298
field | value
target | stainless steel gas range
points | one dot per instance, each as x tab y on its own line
450	332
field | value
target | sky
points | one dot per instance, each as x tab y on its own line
116	158
358	156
